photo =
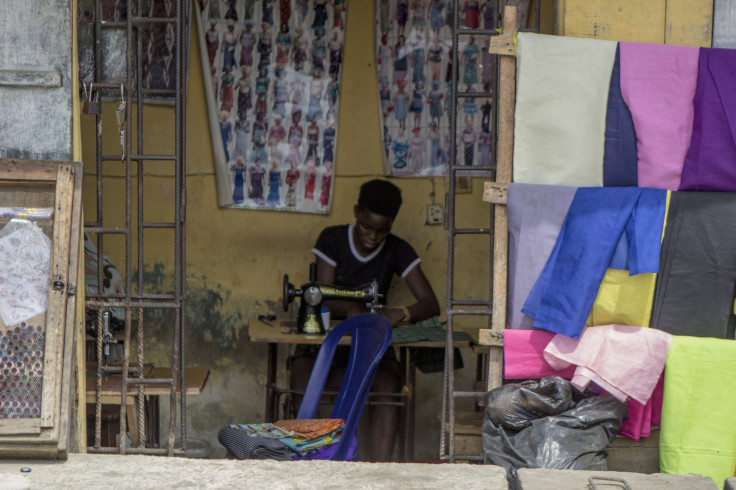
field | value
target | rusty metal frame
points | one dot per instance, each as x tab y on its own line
454	306
137	301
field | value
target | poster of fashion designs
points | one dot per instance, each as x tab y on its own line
158	66
272	77
414	69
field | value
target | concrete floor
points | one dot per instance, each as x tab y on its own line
93	471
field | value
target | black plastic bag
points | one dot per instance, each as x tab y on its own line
540	424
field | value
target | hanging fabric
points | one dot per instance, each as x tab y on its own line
709	164
563	295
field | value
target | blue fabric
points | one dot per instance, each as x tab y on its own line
619	154
564	293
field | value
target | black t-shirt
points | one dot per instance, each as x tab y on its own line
394	256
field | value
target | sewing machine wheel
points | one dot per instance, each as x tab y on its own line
288	292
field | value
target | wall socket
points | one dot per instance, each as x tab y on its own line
434	214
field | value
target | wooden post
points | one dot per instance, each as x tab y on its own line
504	159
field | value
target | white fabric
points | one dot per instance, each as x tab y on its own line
561	100
25	262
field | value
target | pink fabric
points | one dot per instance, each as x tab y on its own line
642	417
658	84
522	355
623	360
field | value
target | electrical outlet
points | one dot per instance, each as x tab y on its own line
434	214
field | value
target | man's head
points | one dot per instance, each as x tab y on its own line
380	197
378	205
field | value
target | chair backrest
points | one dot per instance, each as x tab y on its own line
370	336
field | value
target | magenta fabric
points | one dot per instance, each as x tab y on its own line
623	360
522	355
641	418
710	164
658	84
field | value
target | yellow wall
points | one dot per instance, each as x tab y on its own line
236	259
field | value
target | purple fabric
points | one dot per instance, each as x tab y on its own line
658	84
535	214
710	164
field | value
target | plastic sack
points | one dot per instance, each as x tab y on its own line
548	424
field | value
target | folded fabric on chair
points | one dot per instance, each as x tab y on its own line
695	289
709	164
242	444
658	85
563	295
309	428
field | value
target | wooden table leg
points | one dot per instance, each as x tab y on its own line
412	370
132	416
270	380
403	418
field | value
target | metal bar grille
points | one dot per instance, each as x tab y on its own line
134	164
484	306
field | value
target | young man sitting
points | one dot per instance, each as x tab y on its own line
351	256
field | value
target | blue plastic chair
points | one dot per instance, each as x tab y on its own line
370	336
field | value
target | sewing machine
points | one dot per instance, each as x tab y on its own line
312	294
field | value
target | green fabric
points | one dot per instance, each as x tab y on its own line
429	329
698	432
430	359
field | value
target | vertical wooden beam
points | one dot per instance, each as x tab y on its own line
689	23
504	160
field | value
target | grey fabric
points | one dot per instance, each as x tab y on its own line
535	214
697	276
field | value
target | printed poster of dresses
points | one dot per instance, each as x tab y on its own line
272	76
413	63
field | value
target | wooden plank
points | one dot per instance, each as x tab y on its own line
724	24
622	20
689	22
30	78
504	163
56	313
487	336
495	192
20	426
503	44
28	170
75	302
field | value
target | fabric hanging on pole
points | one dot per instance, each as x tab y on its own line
698	427
619	156
535	213
709	164
694	294
523	355
563	295
523	359
623	360
658	85
561	98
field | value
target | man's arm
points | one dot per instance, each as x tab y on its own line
339	309
426	305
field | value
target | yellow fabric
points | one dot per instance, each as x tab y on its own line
624	299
